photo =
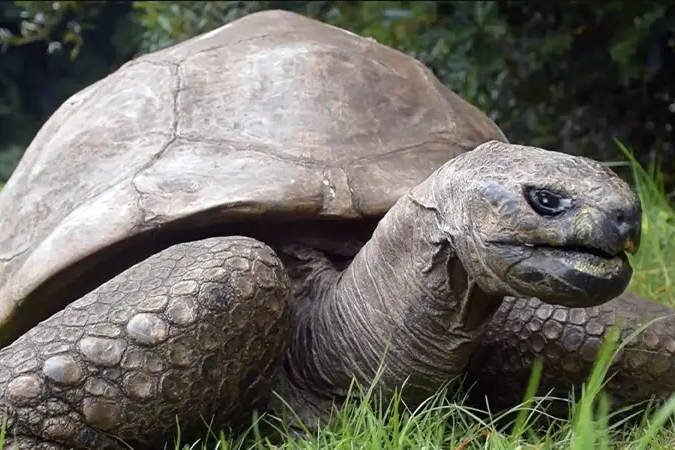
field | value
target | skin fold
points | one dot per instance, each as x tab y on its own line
207	330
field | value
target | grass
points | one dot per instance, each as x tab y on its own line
446	423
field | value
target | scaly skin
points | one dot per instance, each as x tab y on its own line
197	329
567	340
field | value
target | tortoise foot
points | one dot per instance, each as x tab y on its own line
567	341
193	334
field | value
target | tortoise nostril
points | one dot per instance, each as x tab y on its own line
625	217
627	228
623	223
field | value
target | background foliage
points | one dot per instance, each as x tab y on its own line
571	76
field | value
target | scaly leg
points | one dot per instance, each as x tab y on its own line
567	340
193	333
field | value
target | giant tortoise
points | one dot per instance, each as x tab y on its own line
282	206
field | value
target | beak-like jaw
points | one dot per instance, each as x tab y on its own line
631	247
631	242
585	268
612	231
621	232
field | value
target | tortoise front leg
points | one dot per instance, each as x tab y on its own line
567	340
194	332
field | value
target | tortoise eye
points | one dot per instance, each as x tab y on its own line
547	203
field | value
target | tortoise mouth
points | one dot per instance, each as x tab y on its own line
570	275
592	261
575	249
562	251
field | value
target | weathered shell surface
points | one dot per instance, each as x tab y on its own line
274	114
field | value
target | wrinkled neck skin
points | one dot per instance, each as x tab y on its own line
405	301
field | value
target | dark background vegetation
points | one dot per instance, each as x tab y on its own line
572	76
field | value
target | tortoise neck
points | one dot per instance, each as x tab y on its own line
405	301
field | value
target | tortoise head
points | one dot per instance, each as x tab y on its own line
531	222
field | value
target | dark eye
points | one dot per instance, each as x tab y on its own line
547	203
